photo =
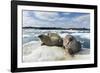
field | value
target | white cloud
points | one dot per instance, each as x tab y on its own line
30	21
53	19
83	18
65	13
82	21
49	16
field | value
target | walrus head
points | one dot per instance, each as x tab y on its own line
71	44
68	39
44	38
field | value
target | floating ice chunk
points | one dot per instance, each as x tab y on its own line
25	36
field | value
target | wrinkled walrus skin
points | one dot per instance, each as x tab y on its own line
51	39
71	44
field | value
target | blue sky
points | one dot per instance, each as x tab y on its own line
56	19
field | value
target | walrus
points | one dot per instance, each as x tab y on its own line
71	44
51	39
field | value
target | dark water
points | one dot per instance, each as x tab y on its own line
32	35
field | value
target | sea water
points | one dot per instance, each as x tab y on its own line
32	35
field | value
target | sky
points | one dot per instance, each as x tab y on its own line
33	18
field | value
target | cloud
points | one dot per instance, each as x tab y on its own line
83	18
29	20
82	21
55	19
39	19
49	16
66	13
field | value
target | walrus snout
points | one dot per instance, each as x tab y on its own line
43	37
40	36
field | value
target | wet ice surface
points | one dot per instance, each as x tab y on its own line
35	52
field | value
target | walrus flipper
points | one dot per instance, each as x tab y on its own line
70	51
